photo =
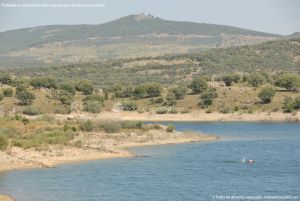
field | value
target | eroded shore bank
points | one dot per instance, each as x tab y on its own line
192	116
96	146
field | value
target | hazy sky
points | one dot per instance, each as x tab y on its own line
273	16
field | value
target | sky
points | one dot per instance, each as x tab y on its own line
272	16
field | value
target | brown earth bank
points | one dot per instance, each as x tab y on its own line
192	116
6	198
95	145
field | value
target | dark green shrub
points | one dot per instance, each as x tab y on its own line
25	97
8	92
198	85
266	94
207	98
1	97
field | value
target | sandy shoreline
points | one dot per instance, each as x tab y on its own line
100	146
194	116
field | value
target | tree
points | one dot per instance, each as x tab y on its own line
139	92
228	79
198	85
8	92
207	97
5	79
153	89
255	79
288	81
288	104
25	97
43	82
179	92
267	94
65	97
85	86
92	106
170	98
68	87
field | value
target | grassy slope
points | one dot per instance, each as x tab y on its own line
240	96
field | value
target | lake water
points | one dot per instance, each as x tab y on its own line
195	171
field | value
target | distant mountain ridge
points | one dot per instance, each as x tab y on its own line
122	38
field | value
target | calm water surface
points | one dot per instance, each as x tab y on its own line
195	171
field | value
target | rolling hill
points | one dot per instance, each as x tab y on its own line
271	57
127	37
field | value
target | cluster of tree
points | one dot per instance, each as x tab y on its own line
147	90
289	81
43	82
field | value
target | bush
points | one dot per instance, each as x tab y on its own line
92	106
1	97
8	92
65	97
228	79
267	94
170	128
97	98
68	87
171	98
255	79
153	89
225	109
129	106
25	97
288	104
85	86
198	85
87	126
131	124
32	110
43	82
3	142
111	126
207	98
179	92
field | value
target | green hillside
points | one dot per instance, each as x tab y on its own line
131	36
